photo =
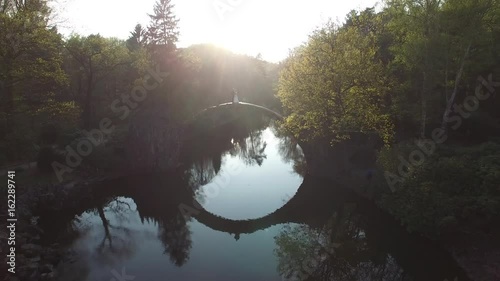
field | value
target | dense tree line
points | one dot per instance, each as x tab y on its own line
417	73
54	89
397	72
423	76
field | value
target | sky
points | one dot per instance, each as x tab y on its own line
268	27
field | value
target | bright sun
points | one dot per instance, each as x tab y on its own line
249	27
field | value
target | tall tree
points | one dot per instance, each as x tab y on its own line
417	25
163	29
137	38
468	33
29	52
32	80
98	57
335	85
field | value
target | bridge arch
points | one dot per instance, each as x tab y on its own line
298	209
235	105
232	105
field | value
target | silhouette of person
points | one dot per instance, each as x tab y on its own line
235	97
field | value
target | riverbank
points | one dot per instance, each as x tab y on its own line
33	260
36	260
473	242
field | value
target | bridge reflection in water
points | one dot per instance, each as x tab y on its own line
363	242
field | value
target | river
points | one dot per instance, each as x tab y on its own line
241	207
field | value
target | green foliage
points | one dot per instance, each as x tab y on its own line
398	72
30	56
137	39
454	186
335	84
32	78
392	72
98	63
439	49
66	113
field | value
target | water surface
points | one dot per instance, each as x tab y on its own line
240	208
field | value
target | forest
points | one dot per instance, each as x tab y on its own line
422	76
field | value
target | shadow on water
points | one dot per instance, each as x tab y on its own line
327	232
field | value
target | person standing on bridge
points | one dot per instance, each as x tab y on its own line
235	97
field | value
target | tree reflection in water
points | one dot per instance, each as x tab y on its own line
250	149
176	239
338	240
117	244
242	137
159	205
289	149
118	239
339	250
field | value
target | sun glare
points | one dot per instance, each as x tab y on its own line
270	28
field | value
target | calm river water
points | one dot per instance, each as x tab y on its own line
240	208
